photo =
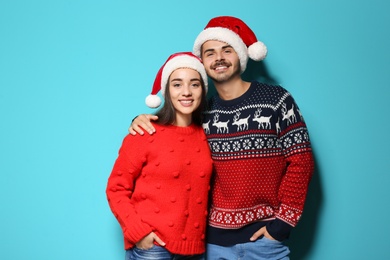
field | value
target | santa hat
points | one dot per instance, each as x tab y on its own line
175	61
237	34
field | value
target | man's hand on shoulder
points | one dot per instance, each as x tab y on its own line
142	123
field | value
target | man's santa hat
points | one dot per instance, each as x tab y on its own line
174	62
237	34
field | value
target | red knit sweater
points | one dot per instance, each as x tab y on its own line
160	183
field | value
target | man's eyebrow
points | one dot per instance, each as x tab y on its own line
226	47
208	50
223	47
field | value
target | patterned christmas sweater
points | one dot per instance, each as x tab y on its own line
263	162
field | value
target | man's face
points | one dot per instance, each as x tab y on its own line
220	61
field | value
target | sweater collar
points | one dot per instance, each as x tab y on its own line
184	130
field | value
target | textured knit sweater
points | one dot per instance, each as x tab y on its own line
263	164
160	183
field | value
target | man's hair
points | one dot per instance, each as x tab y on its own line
167	114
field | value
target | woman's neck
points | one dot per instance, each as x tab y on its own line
183	120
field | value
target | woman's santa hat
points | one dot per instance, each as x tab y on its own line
174	62
237	34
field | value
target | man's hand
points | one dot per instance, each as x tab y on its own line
142	122
148	241
261	232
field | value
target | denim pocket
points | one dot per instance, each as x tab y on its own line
155	252
271	241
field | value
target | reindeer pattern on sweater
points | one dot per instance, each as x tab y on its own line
262	155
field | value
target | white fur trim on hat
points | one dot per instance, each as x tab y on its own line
182	61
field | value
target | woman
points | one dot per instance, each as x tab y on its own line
158	188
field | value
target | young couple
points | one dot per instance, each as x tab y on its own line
258	169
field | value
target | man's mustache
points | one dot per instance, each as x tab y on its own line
220	63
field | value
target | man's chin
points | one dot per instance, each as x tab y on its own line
222	78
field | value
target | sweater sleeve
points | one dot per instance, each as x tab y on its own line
120	188
296	147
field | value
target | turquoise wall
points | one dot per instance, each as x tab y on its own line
74	73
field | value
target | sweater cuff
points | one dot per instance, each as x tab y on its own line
137	232
279	229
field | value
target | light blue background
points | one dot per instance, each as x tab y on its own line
74	73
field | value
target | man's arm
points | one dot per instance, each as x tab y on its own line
142	123
296	147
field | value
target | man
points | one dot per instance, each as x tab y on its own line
260	148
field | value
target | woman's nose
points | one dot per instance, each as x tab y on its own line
186	90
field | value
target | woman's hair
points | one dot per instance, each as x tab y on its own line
167	114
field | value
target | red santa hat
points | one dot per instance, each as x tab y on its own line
174	62
237	34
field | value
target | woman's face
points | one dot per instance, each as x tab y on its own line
185	91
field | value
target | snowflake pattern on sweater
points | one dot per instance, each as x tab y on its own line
262	155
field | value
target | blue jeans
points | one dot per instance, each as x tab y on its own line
158	253
260	249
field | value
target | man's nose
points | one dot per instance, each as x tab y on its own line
219	56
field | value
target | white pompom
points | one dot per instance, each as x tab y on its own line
153	101
257	51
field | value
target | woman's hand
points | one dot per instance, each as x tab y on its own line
148	241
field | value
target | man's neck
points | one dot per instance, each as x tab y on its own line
232	89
